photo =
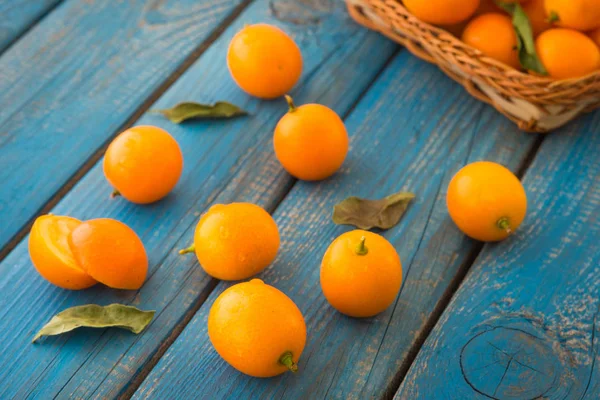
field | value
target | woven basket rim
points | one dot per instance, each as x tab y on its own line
535	103
534	79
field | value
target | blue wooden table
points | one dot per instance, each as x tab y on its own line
514	320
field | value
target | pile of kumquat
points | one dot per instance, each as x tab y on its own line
361	271
555	38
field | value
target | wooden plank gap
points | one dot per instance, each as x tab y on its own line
137	380
6	46
530	156
141	110
455	283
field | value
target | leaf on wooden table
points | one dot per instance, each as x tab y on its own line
189	110
367	214
525	42
95	316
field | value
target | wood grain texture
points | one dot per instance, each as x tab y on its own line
524	323
20	15
75	78
224	161
405	135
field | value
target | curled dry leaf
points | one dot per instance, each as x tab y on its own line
189	110
95	316
525	42
367	214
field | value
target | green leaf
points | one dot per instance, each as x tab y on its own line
95	316
525	43
367	214
188	110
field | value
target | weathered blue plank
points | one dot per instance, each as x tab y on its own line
75	78
412	131
18	16
224	161
524	323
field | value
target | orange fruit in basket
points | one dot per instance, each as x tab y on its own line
143	164
235	241
257	329
361	274
494	35
50	253
536	12
582	15
567	53
486	201
595	35
264	61
310	141
110	252
442	12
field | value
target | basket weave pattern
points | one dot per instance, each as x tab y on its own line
536	104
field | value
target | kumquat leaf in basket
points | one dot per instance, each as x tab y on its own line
95	316
525	43
190	110
367	214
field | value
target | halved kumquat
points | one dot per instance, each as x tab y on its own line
110	252
51	255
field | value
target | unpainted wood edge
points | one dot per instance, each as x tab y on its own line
454	285
29	27
141	110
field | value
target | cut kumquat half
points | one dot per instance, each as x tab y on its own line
51	255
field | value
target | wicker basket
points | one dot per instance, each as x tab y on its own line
536	104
